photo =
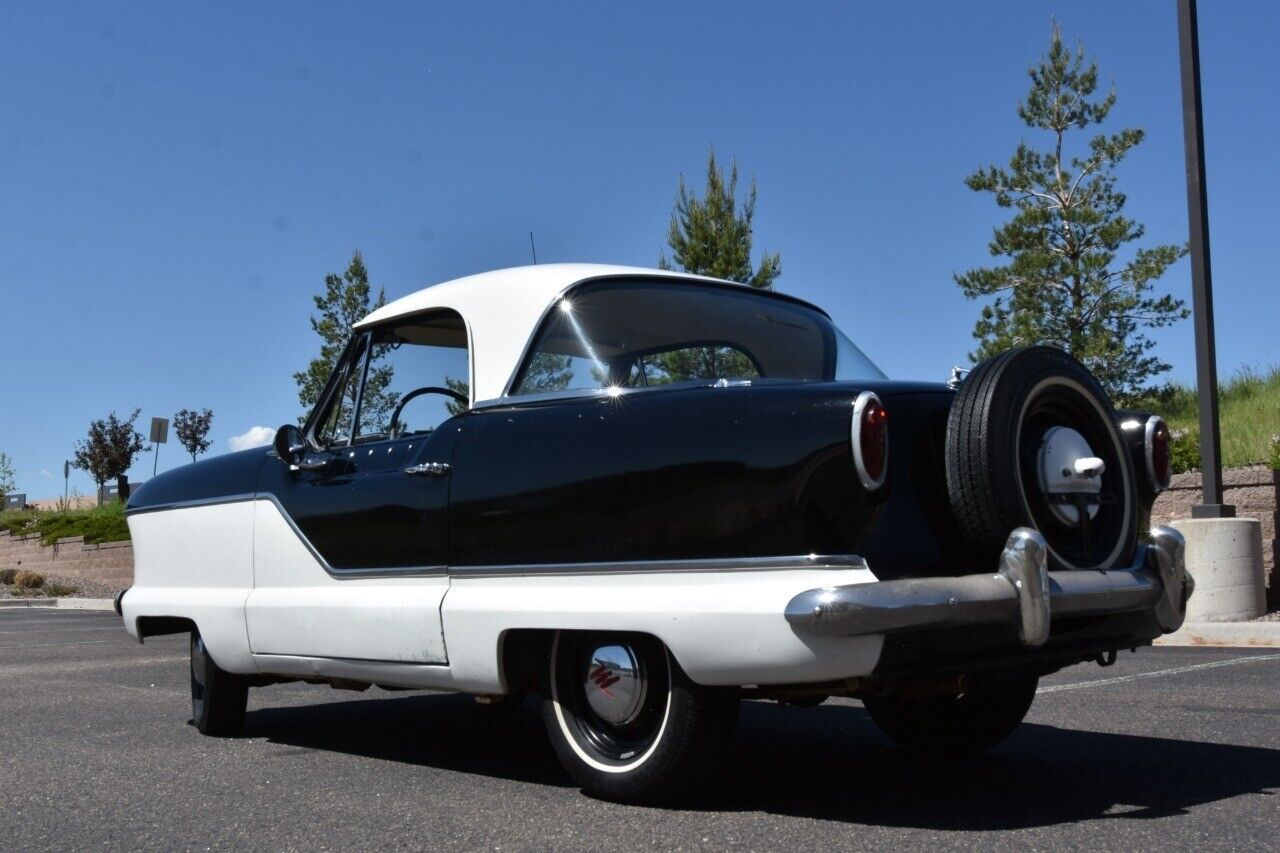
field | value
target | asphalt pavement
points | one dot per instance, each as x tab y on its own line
1170	748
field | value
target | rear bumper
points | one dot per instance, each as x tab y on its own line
1021	594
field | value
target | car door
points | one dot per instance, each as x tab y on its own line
351	542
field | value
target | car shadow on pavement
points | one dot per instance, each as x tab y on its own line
829	763
447	731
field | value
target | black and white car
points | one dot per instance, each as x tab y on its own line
644	496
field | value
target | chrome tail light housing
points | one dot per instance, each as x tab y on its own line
1158	451
869	435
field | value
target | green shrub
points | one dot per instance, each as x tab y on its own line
28	580
1248	408
7	575
1275	452
59	589
16	521
1184	451
105	523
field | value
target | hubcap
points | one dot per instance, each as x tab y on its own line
614	684
1068	469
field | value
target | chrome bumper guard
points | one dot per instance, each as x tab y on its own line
1022	593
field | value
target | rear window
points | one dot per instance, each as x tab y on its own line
641	332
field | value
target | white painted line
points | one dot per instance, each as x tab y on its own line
1174	671
58	629
47	645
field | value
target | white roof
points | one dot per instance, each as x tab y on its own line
501	309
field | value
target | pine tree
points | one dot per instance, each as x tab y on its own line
711	236
1064	284
345	302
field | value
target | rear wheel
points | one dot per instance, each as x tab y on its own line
625	720
955	725
218	697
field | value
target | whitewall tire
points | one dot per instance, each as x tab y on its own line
625	720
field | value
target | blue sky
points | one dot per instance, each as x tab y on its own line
176	180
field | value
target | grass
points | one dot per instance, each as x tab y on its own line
1248	409
100	524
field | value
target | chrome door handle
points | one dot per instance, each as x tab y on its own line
310	465
428	469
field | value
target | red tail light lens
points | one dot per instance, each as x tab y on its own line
1157	440
870	439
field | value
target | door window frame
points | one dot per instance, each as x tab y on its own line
359	346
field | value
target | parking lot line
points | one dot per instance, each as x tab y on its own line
104	627
1172	671
47	645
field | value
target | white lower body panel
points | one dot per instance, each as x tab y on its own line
723	627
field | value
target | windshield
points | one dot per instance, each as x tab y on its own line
643	332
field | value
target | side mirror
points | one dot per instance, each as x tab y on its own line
289	444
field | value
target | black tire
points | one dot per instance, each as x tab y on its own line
950	726
218	697
674	743
997	422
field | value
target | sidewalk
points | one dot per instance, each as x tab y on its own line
1248	634
60	603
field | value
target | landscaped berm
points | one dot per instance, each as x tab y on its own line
76	553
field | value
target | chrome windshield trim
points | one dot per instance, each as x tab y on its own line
719	564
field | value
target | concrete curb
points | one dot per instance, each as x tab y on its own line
1243	634
61	603
86	604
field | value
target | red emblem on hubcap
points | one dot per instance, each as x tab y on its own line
604	678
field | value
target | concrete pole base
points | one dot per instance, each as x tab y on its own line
1224	555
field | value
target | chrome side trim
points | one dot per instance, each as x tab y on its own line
332	571
729	564
224	499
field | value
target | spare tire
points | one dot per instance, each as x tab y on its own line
1032	440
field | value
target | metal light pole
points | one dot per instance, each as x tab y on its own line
1201	280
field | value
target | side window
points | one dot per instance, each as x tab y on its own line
418	377
685	363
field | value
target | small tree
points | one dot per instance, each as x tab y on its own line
109	450
1063	284
345	301
712	236
192	427
7	474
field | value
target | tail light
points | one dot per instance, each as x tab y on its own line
1156	440
870	437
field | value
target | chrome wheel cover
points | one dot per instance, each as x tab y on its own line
615	685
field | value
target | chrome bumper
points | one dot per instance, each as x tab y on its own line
1022	593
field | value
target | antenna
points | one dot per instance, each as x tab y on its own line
533	249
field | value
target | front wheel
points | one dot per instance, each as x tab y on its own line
955	725
218	697
625	720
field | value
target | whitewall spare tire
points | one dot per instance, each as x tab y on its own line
1032	440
